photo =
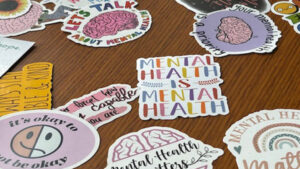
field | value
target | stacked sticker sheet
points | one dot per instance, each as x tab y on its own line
180	86
266	139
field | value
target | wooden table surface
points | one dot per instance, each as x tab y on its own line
252	82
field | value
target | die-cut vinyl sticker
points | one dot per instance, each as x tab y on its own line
180	86
207	6
14	8
237	30
29	89
46	139
103	105
268	138
289	10
107	24
34	20
161	147
11	50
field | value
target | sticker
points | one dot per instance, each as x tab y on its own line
180	86
207	6
11	50
289	10
161	147
266	139
13	8
107	24
25	23
46	139
26	90
103	105
34	20
237	30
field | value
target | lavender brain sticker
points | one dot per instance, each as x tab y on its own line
161	147
266	139
46	139
107	24
236	30
103	105
14	8
207	6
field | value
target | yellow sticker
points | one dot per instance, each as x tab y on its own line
26	90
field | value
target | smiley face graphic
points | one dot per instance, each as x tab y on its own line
36	141
285	8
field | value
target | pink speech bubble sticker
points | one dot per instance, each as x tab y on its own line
103	105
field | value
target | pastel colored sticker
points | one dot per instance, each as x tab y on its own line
154	147
11	50
237	30
14	8
269	138
89	25
27	90
103	105
180	86
46	139
208	6
289	12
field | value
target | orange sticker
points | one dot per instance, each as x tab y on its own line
29	89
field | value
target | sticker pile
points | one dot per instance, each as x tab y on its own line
268	139
180	86
160	147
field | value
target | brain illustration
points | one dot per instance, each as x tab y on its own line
234	30
149	140
110	23
21	23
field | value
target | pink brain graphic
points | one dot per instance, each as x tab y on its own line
110	23
133	145
21	23
234	30
129	146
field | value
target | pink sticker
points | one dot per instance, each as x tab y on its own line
45	139
160	147
108	23
103	105
21	24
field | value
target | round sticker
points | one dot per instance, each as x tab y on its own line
45	139
107	24
236	30
13	8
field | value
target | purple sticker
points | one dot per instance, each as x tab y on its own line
45	139
236	30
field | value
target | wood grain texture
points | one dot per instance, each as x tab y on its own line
252	82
